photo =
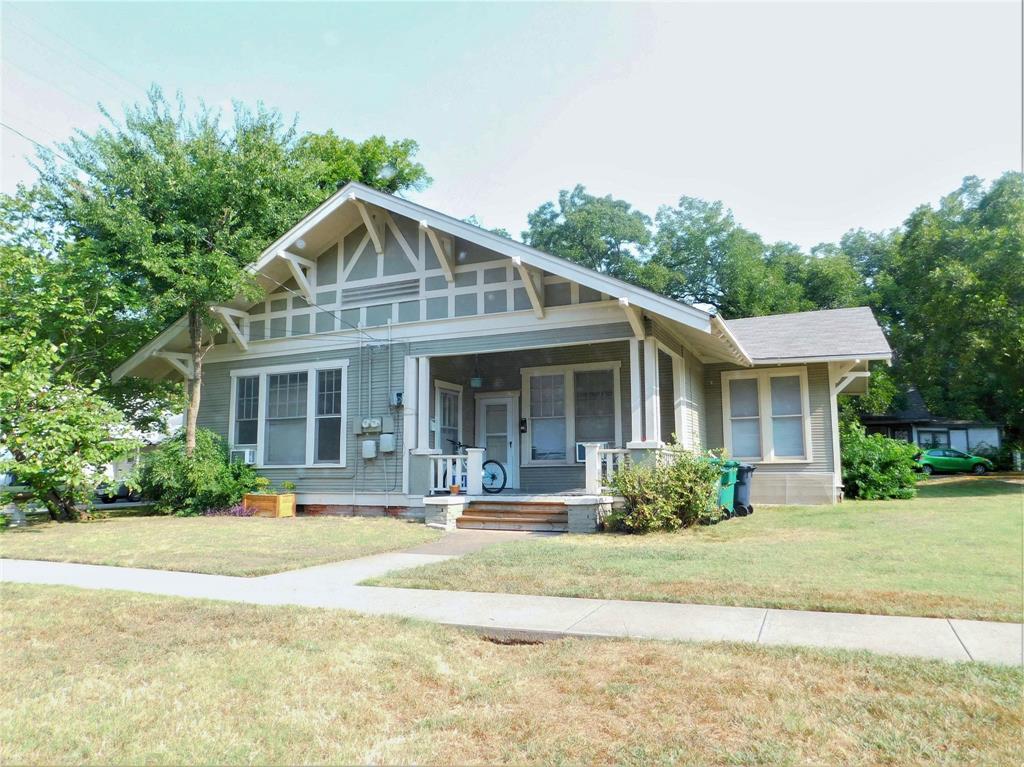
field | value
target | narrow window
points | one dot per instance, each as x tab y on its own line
787	417
745	418
286	419
247	400
594	399
448	404
329	403
547	417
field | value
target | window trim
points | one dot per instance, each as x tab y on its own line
764	408
232	409
615	366
311	369
440	386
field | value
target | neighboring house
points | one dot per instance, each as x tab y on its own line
388	329
914	423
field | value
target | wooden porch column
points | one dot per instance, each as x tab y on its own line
423	405
636	397
652	392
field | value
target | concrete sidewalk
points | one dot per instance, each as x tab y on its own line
335	586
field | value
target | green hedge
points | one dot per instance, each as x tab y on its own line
876	467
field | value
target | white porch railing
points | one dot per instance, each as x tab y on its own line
466	471
601	465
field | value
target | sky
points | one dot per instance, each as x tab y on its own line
806	119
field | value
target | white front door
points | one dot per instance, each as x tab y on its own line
497	431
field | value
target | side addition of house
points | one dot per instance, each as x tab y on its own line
389	333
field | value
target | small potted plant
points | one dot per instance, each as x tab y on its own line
266	502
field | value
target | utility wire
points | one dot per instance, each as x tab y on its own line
333	312
12	129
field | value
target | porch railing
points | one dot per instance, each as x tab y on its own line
601	465
466	471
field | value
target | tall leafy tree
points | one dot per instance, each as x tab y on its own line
601	233
56	431
174	206
952	296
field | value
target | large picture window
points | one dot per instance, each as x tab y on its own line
286	419
570	404
292	415
766	415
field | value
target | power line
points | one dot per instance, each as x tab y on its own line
45	148
19	22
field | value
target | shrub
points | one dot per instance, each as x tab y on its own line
189	485
680	489
876	467
1001	457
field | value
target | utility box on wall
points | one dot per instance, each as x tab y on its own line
369	449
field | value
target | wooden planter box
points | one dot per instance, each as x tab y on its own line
265	505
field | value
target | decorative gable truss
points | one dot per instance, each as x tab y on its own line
419	273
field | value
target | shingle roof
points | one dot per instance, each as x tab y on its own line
828	334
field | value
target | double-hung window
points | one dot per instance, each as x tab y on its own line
330	404
247	411
291	415
766	415
567	405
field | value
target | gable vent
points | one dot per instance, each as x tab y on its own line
381	293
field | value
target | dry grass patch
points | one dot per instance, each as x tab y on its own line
955	551
219	545
113	678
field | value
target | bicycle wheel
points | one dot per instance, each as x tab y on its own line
494	477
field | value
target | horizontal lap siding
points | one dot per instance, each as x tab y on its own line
695	401
384	473
821	419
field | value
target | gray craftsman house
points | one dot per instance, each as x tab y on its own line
389	332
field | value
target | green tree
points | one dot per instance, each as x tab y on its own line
387	165
952	297
701	255
601	233
175	207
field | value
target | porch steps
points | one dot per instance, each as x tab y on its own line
541	516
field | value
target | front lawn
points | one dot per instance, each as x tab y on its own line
220	545
955	551
93	677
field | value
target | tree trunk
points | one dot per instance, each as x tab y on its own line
195	337
61	509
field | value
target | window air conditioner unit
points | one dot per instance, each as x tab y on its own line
581	451
244	455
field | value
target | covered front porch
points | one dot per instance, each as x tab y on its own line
558	419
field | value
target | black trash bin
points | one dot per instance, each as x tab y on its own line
744	479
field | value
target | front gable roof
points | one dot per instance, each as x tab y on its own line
808	336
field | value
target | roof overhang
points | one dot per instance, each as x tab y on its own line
346	208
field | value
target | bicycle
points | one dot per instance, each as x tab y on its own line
494	475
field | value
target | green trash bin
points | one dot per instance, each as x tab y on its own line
727	484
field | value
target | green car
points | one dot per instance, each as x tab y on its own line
946	459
